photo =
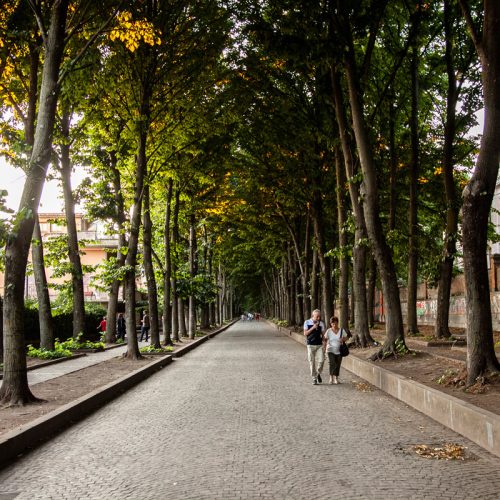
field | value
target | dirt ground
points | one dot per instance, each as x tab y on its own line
427	365
439	367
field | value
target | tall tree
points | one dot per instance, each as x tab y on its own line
478	196
362	331
15	390
382	253
69	208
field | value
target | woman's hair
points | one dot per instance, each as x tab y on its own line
334	319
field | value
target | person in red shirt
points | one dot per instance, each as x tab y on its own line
102	325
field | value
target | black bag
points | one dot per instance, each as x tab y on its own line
344	350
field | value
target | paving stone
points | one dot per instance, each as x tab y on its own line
238	418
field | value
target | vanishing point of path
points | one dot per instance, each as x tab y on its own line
238	418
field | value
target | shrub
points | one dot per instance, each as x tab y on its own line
58	352
149	348
73	344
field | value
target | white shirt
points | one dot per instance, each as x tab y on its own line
333	339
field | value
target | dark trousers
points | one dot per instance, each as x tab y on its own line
334	360
145	331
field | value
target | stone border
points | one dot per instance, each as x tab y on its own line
479	425
28	436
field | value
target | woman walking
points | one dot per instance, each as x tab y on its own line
333	338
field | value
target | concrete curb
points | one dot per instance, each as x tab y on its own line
28	436
479	425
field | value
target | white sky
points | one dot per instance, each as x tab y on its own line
12	179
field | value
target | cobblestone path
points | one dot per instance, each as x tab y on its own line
238	418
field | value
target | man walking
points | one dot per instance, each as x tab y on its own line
313	330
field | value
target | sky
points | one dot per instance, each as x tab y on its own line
12	179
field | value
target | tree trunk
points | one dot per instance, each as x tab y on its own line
411	304
477	198
135	225
1	330
15	389
450	236
382	252
306	286
122	243
175	298
344	260
393	163
182	318
319	233
149	270
167	288
73	247
212	320
314	283
42	290
193	271
362	331
370	292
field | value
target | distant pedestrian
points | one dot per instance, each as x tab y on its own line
120	327
334	336
102	326
313	330
145	326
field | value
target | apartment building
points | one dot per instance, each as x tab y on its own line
96	249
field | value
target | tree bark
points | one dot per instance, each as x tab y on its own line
450	236
147	230
381	251
15	389
370	292
362	331
477	199
411	304
314	283
122	243
73	246
42	290
344	261
167	289
135	225
175	239
193	271
319	233
182	317
306	275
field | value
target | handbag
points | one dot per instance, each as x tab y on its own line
344	350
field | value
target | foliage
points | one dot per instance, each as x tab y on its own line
59	352
158	350
72	344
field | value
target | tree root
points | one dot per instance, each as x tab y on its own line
392	350
9	399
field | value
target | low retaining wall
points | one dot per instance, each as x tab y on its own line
480	426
